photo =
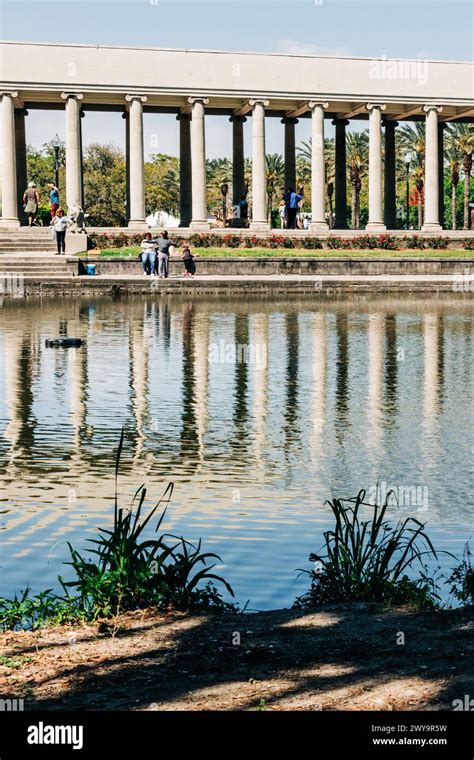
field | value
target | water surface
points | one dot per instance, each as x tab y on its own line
332	395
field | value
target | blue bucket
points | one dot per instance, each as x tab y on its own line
90	269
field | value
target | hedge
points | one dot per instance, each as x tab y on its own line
384	241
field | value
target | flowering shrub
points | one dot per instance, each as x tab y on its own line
413	241
384	241
230	241
255	242
388	242
311	243
275	241
338	242
116	240
436	242
364	242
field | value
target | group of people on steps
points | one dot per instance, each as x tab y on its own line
59	221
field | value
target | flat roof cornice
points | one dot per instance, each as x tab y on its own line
226	52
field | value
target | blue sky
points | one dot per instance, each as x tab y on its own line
402	29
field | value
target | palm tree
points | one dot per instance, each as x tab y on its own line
275	171
303	177
460	142
419	184
330	194
357	147
218	172
454	180
412	139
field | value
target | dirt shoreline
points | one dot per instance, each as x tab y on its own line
341	657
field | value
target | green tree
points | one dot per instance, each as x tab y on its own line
460	143
412	139
218	173
104	185
40	168
275	177
454	181
357	147
162	184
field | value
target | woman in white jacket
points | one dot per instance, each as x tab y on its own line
60	224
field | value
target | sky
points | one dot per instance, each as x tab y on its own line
412	29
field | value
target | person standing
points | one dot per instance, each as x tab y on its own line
60	224
244	211
189	265
53	199
293	200
282	210
164	245
31	202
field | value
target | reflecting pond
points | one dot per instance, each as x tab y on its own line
257	408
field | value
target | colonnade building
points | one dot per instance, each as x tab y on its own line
75	79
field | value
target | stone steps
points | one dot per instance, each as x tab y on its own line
5	250
47	266
25	242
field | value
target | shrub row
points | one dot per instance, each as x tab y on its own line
231	240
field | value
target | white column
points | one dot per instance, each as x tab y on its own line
259	182
318	171
73	149
137	168
431	222
375	222
198	165
9	216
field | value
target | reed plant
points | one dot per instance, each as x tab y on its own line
371	560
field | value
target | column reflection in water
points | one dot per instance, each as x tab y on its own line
342	377
20	429
78	388
61	361
164	324
391	369
189	435
139	342
201	376
319	385
292	429
240	417
260	383
433	370
376	355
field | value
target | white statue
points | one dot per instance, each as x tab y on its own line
77	217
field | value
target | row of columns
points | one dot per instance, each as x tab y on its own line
193	188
